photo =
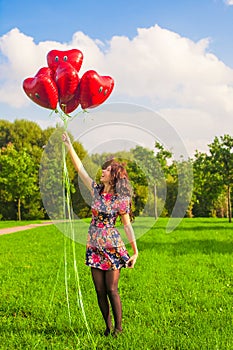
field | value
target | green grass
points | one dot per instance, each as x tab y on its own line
179	296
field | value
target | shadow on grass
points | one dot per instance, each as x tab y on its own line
209	227
187	246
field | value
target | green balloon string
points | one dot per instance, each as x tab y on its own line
69	222
54	289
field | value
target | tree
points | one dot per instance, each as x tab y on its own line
18	179
51	175
25	133
154	167
206	186
221	163
139	184
5	132
181	185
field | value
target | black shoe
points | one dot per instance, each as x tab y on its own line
116	332
107	332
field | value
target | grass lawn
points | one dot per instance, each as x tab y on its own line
178	297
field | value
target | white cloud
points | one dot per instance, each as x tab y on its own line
171	70
171	73
197	128
229	2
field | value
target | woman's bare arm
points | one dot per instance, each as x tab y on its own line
131	237
87	180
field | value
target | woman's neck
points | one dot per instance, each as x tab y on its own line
107	188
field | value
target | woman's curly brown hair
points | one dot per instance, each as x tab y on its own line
120	181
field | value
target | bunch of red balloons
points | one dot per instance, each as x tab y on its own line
60	83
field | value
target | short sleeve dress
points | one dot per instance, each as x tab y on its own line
105	248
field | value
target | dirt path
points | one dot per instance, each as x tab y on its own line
5	231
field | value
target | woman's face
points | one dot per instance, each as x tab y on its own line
106	175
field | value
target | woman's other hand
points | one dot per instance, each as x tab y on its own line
132	261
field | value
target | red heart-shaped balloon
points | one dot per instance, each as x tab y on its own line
67	80
70	105
74	57
42	89
94	89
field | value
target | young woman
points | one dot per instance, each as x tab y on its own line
106	253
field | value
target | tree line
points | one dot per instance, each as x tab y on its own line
31	176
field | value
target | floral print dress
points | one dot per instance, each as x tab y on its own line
105	248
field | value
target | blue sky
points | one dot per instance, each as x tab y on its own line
53	20
187	74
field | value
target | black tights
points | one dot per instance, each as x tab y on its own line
106	286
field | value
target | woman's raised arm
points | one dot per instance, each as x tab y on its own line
87	180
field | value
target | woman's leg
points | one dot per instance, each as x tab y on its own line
98	277
111	282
